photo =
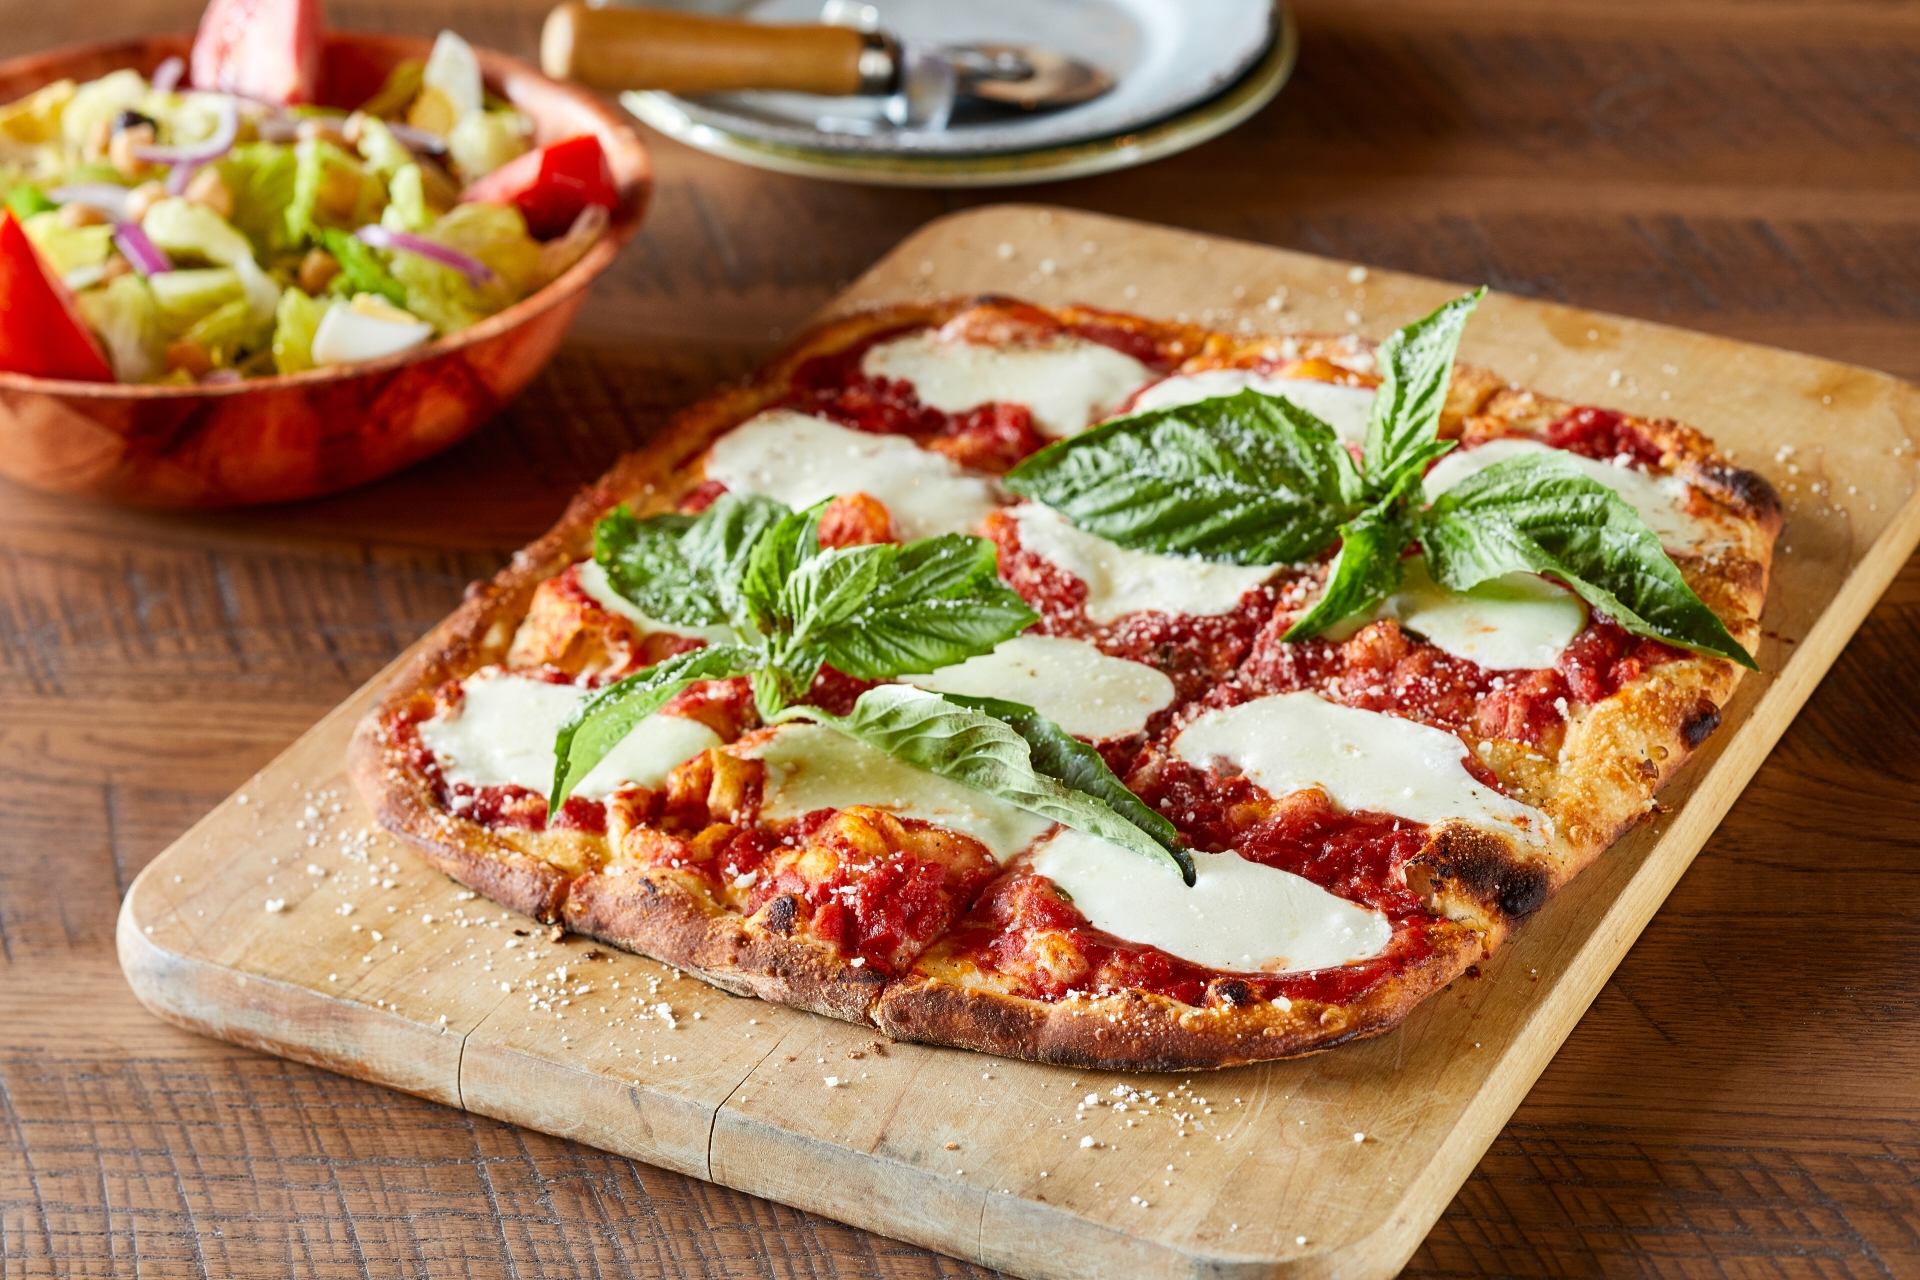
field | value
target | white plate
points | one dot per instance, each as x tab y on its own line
1164	56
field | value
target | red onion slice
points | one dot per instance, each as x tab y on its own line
214	377
143	253
166	76
179	176
104	196
417	139
200	152
476	271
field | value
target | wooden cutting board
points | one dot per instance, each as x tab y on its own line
284	921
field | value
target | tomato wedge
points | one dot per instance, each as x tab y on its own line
267	49
551	186
41	332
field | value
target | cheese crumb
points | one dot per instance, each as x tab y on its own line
833	1082
1087	1141
276	905
1359	1137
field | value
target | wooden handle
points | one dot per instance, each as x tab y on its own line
618	48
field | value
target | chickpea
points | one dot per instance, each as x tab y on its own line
113	268
77	214
209	189
339	193
187	354
317	270
143	198
120	149
98	136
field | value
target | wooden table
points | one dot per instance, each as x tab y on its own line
1740	1100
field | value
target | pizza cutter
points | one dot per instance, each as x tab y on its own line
627	48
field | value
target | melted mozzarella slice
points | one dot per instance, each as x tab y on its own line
1660	500
1238	915
1067	384
1120	581
1345	409
503	734
810	766
800	460
1517	622
1362	759
593	580
1072	683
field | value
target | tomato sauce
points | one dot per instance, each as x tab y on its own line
1383	668
1604	434
1195	651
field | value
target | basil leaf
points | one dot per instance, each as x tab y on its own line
1365	572
1416	369
646	562
974	749
774	556
723	537
600	722
1063	757
829	588
939	601
1544	515
1246	479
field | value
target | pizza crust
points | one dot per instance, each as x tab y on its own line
1614	757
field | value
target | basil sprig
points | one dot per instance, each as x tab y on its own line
1255	479
874	612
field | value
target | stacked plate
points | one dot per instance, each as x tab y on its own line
1184	71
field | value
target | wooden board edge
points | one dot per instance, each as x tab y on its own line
251	1011
855	297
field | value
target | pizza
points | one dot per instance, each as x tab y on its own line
1086	688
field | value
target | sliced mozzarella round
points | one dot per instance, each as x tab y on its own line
1072	683
1067	384
503	735
1239	915
366	329
1120	581
1291	742
800	460
592	578
1518	622
810	767
1343	408
1660	500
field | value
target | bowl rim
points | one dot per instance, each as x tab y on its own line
498	70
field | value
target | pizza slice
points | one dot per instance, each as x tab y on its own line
1082	688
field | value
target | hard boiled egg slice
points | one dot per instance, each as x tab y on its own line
367	328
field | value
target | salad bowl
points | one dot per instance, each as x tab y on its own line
285	437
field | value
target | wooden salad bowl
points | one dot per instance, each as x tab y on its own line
280	438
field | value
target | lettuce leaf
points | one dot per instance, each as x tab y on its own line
261	176
297	320
127	319
496	235
67	248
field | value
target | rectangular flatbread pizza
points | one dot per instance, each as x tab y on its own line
1085	688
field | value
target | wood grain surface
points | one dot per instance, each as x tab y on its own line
1739	1100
